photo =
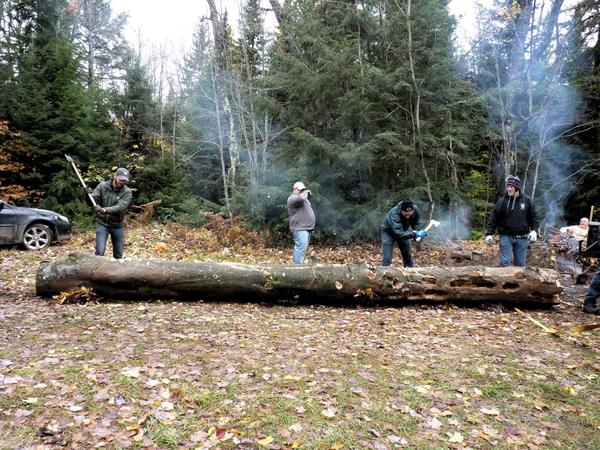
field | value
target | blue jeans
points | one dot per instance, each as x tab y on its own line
387	249
511	246
301	240
117	237
593	291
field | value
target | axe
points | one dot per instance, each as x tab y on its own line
432	223
72	162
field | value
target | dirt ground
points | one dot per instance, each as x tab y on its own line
170	375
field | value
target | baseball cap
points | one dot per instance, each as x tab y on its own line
299	185
123	174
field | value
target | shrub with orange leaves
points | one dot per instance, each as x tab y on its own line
230	231
12	152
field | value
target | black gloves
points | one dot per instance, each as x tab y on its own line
99	209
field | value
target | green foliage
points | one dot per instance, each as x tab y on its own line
49	106
264	207
136	111
476	192
365	102
584	73
343	85
159	180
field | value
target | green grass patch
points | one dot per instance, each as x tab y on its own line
129	387
554	392
31	257
18	437
139	350
24	372
279	411
207	400
164	435
15	402
344	435
498	390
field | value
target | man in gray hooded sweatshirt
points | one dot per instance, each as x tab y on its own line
515	217
302	220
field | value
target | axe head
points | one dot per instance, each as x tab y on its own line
68	158
434	223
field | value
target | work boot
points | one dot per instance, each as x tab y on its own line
590	308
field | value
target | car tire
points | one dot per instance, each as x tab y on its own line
37	236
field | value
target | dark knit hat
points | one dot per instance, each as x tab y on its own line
407	205
511	180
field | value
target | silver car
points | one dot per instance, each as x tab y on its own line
33	228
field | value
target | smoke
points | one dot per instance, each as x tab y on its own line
557	184
455	223
537	113
556	158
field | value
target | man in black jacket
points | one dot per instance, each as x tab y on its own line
400	226
517	222
112	200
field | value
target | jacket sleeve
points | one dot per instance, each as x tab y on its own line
533	219
492	223
97	194
405	234
121	205
295	200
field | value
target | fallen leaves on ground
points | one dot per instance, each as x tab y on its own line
162	375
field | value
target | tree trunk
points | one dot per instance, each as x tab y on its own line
159	279
278	11
417	87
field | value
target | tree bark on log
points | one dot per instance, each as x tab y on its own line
161	279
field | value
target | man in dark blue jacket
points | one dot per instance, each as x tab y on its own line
517	222
400	226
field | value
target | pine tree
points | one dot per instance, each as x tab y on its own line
47	102
583	71
99	41
136	114
371	94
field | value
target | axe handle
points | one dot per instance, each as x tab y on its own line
426	229
91	197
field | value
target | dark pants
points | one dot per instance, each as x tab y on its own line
593	291
117	237
387	249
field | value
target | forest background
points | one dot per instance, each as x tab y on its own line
367	102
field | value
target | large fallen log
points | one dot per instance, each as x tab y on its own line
161	279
